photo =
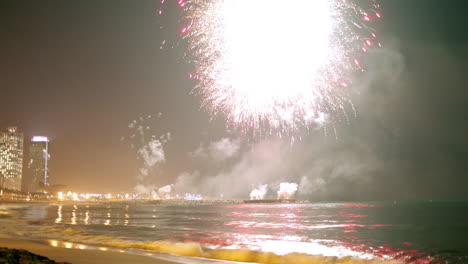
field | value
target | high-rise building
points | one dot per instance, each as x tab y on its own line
38	164
11	159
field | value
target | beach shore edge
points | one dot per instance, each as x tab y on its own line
77	256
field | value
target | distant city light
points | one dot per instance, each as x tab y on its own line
81	197
39	139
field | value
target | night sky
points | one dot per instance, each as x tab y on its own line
80	72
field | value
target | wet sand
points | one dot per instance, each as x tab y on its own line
77	256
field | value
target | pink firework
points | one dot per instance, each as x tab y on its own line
276	66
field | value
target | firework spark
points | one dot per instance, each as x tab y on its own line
276	65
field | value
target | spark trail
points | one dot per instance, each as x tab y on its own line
276	66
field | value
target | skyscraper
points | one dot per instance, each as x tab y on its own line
11	159
38	164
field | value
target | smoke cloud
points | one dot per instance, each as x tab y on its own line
149	150
259	192
152	153
165	191
221	150
287	190
395	136
345	160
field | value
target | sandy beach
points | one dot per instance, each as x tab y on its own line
77	256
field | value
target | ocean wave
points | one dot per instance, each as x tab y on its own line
205	243
42	230
192	249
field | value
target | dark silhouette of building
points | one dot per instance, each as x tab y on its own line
38	164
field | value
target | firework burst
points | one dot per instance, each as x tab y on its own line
276	66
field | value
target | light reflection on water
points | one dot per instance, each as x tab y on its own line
364	230
73	219
86	220
57	243
58	220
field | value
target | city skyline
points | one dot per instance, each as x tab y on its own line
23	169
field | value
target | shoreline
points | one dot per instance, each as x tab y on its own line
84	251
78	256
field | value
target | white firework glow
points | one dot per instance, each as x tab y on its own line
275	65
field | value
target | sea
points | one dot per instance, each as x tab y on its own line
225	232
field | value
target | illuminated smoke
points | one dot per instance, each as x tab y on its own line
152	153
266	161
224	148
149	151
287	190
186	183
259	192
308	186
146	191
165	191
220	150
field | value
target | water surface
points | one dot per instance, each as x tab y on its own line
417	232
